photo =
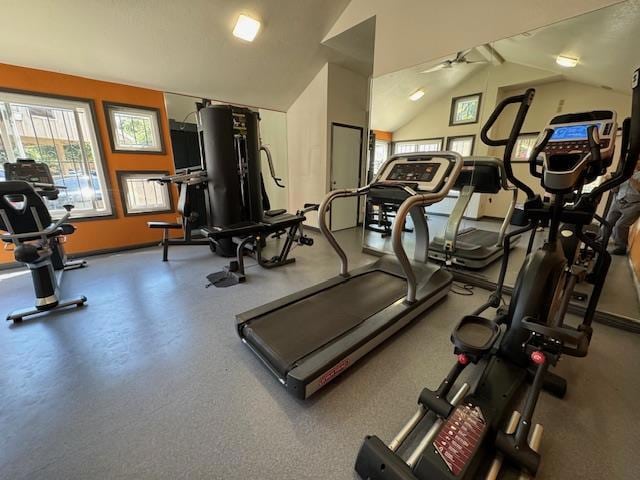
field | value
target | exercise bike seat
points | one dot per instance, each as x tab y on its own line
474	336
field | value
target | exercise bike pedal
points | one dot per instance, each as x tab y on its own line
474	336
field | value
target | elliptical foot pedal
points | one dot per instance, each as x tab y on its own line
474	336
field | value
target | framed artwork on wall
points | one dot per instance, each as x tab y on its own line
465	110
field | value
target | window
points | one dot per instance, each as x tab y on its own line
134	129
417	146
380	155
464	110
62	134
462	145
139	195
524	146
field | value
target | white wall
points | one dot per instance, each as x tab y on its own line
307	144
410	32
433	121
273	133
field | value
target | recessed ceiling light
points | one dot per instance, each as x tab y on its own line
246	28
415	96
568	62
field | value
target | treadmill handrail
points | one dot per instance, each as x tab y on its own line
421	200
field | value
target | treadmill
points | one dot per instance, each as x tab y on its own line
310	337
474	248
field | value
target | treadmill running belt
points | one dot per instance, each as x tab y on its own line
483	238
286	335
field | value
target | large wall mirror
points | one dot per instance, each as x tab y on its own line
181	110
443	104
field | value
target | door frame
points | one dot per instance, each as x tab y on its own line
354	127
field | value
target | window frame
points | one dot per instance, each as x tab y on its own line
108	106
122	174
417	142
454	102
96	136
458	137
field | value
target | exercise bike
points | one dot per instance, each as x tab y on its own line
37	238
476	433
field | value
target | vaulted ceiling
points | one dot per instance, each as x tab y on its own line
177	46
605	42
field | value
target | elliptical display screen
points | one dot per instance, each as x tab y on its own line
413	172
571	133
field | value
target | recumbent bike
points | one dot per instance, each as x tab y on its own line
476	433
37	237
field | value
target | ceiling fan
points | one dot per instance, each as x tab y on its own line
460	59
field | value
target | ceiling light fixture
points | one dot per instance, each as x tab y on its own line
568	62
414	97
246	28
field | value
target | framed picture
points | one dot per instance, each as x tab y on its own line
465	110
462	144
140	196
134	129
523	147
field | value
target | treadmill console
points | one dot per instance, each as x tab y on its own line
423	173
28	171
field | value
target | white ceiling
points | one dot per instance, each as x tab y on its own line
391	107
178	46
605	41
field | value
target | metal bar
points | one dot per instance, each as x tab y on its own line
455	219
433	431
496	465
534	444
407	428
507	218
326	231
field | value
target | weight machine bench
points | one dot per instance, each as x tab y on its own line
250	237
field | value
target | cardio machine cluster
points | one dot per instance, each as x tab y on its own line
471	430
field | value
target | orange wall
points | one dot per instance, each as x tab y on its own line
385	136
120	231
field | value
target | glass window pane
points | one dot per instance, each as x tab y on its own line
143	196
46	130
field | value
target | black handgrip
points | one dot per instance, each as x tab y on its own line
594	145
533	157
309	207
524	100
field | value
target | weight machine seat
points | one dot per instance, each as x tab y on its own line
275	213
169	225
268	226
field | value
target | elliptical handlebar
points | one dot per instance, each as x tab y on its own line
632	148
509	143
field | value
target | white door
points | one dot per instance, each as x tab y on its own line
346	151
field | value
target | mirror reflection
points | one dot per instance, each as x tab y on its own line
443	105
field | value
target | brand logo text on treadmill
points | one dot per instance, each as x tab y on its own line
334	372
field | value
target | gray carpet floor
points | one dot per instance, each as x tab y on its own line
150	381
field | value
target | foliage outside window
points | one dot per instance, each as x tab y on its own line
381	153
62	134
524	146
140	195
465	110
462	145
134	129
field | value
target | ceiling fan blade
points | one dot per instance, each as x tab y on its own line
436	68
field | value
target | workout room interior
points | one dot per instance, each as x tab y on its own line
305	239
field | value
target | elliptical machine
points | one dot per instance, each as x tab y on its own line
476	433
25	218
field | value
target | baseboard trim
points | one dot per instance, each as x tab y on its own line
89	253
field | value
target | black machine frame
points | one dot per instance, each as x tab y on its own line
472	433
